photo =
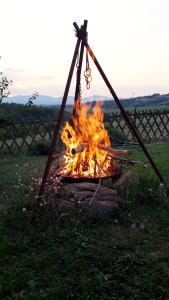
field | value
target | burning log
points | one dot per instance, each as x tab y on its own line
79	148
92	156
100	169
111	152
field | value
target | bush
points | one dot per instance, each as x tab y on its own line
40	148
116	136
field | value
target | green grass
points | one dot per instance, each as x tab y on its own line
45	257
160	155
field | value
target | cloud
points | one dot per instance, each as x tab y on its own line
15	74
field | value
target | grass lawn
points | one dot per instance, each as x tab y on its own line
43	257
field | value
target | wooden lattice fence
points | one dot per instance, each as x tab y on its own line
153	126
20	136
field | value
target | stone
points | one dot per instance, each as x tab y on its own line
125	180
77	196
85	190
99	208
107	182
65	205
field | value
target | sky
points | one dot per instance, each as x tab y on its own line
130	39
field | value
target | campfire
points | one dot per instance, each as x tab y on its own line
88	148
88	154
87	163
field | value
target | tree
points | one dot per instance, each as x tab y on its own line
4	86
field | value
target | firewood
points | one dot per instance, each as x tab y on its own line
82	146
79	148
126	161
100	168
113	151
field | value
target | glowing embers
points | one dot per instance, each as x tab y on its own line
88	149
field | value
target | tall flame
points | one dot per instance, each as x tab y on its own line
83	157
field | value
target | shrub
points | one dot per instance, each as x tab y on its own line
116	136
41	147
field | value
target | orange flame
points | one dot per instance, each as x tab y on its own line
83	156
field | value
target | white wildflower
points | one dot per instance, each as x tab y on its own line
142	226
133	225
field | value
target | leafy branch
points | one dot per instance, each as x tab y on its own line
32	98
4	86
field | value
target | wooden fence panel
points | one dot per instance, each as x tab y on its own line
153	126
19	137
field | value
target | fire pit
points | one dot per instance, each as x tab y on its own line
70	179
88	161
88	155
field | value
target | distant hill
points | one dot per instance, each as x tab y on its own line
143	101
45	100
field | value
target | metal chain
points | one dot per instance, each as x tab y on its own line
77	61
87	72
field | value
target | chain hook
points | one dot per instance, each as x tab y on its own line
87	72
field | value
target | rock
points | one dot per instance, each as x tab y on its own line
125	180
99	208
107	182
77	196
85	190
65	205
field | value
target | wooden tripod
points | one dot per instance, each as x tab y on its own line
81	34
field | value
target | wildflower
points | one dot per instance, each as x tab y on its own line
142	226
133	225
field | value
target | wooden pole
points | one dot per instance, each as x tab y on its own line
58	124
124	114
